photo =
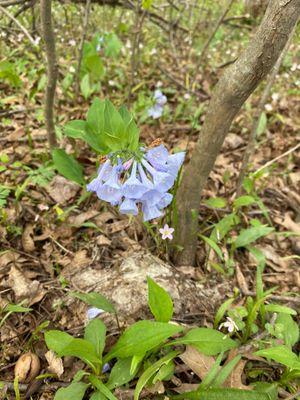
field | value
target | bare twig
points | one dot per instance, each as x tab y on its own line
212	35
260	109
52	70
24	30
83	37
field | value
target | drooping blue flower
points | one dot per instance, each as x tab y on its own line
111	190
165	201
156	111
129	207
150	212
133	188
158	156
103	174
160	98
162	180
93	312
174	163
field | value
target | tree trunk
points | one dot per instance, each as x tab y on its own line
256	7
232	90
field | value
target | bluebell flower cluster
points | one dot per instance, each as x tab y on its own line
142	184
157	109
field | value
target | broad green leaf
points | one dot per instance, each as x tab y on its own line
120	373
146	4
95	333
75	391
244	201
159	301
95	116
208	341
98	396
113	45
224	226
216	202
96	300
212	373
65	345
225	394
132	131
250	235
213	245
85	86
94	66
164	373
276	308
16	308
115	130
149	372
290	329
101	387
282	355
142	337
75	129
67	166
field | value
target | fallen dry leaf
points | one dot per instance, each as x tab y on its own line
61	190
234	380
79	219
197	362
55	363
24	288
27	239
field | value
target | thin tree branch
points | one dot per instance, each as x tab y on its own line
52	69
83	37
260	109
23	29
212	35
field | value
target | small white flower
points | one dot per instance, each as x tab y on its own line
72	69
230	325
72	42
268	107
275	97
166	232
93	312
159	84
294	67
187	96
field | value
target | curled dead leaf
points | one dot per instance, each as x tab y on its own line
27	239
27	367
55	363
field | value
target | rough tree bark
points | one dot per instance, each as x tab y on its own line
52	69
232	90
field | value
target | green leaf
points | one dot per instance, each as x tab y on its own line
95	333
120	373
142	337
213	245
262	124
250	235
149	372
224	226
224	394
101	387
132	131
75	129
85	86
65	345
282	355
208	341
216	202
225	371
222	310
114	127
96	300
146	4
113	45
212	373
244	201
159	301
75	391
94	65
67	166
98	396
16	308
290	329
276	308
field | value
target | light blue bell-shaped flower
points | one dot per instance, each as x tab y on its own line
111	190
104	172
165	201
129	206
133	188
150	212
158	156
174	163
162	181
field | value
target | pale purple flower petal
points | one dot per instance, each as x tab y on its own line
129	207
93	312
155	112
150	212
133	188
